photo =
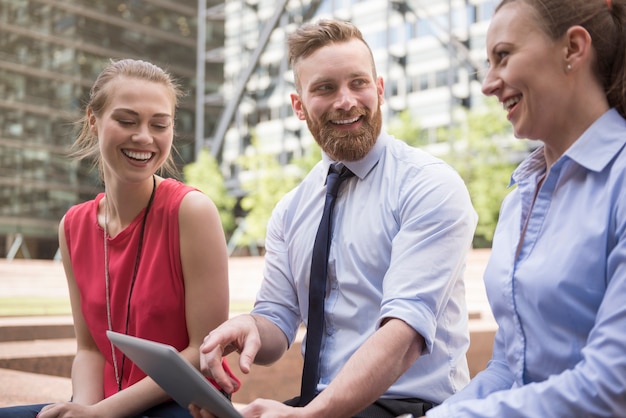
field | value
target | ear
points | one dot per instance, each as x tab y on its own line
296	104
578	48
380	88
91	119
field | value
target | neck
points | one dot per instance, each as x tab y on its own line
121	205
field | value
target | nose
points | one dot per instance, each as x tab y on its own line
142	135
491	83
345	99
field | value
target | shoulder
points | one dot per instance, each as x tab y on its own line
172	194
413	165
194	198
195	204
175	187
403	153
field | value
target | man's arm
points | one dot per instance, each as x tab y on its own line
273	341
371	370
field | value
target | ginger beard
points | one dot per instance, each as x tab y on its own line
346	145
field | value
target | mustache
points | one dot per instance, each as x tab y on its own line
340	114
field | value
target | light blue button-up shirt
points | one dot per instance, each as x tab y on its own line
402	228
561	304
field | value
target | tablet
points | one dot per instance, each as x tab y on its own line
175	374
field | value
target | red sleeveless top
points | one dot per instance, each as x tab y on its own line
157	306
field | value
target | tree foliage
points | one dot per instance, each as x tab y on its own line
265	183
486	155
204	174
407	128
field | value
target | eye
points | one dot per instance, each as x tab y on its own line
500	55
160	123
125	122
324	87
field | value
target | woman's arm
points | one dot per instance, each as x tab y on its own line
88	365
204	259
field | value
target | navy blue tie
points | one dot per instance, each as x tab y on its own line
317	288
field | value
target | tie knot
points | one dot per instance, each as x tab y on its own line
336	175
338	168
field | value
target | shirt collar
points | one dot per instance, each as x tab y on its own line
600	142
595	148
361	167
535	164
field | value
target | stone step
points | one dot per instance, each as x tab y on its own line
36	328
48	357
23	388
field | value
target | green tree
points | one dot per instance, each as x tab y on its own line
204	174
307	161
485	155
265	182
406	127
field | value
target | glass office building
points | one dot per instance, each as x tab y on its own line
50	53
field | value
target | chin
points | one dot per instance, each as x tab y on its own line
522	134
519	132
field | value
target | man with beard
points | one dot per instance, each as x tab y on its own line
394	331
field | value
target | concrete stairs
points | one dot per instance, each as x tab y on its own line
36	356
43	345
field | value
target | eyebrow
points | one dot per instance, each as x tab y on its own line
506	44
359	74
132	112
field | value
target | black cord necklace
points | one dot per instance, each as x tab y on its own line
119	372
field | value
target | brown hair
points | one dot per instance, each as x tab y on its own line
310	37
606	23
86	144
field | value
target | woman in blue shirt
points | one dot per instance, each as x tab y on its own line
556	280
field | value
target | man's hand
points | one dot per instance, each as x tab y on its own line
260	408
238	334
266	408
197	412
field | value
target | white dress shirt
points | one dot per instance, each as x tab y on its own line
402	227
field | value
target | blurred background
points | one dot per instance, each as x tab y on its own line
237	138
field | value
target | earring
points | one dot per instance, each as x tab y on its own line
569	67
